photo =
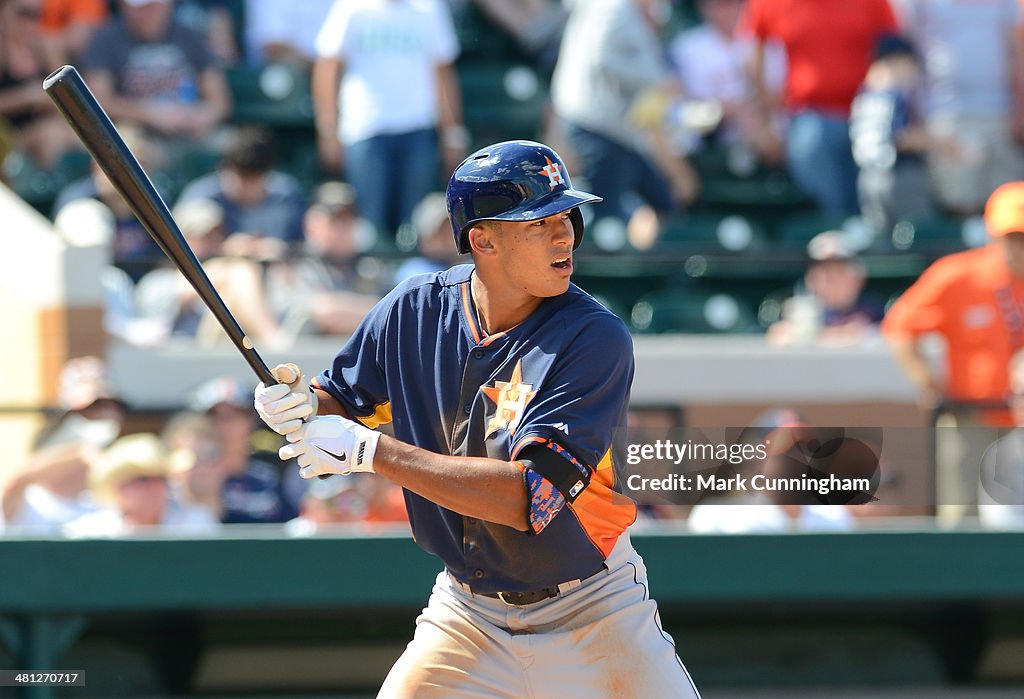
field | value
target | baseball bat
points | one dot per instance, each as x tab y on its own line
83	112
76	102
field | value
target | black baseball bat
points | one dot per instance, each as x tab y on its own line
83	112
76	102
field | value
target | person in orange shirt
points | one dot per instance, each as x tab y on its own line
973	300
69	24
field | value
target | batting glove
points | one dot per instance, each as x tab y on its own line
331	444
284	406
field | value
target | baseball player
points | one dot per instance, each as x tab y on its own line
506	386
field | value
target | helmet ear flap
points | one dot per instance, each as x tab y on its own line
463	241
576	218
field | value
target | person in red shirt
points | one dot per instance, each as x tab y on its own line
973	300
828	47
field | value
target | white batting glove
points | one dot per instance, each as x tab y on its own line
284	406
331	444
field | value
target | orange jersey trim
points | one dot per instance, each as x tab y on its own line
602	512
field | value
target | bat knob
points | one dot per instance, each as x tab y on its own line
289	374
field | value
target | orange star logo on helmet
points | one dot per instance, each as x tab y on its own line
510	399
553	172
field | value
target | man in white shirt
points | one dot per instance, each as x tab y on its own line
386	97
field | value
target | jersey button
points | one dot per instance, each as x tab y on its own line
467	408
478	574
479	354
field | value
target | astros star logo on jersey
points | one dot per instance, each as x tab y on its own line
510	398
554	173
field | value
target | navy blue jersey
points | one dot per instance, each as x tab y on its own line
550	394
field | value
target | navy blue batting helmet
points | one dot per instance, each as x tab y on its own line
512	181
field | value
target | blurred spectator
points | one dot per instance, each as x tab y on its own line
1001	489
87	223
828	48
361	498
29	123
196	473
322	290
832	308
256	489
785	434
257	200
971	300
433	234
712	62
165	296
612	75
383	132
973	56
134	250
68	25
281	31
130	478
146	67
214	20
51	488
536	25
890	142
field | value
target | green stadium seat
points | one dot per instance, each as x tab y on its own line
276	94
693	311
619	281
712	234
795	231
40	187
765	189
936	235
502	100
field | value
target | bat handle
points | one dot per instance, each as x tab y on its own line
288	374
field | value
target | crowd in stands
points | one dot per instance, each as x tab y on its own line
877	121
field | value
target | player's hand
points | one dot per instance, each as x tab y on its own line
284	406
331	444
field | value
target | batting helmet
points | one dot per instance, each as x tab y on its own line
512	181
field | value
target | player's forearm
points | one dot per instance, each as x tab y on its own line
487	489
328	405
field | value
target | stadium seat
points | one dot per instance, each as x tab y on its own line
276	94
40	187
692	311
795	231
713	234
502	100
619	281
936	235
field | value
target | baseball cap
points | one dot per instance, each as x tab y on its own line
83	381
223	390
889	45
830	245
198	218
128	458
334	198
1004	211
430	213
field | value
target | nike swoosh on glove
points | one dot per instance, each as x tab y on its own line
331	444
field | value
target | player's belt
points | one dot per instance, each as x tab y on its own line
522	599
